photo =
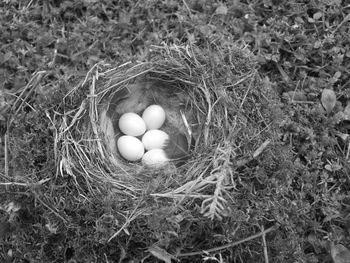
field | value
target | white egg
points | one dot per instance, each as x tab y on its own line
132	124
155	158
130	148
154	117
155	139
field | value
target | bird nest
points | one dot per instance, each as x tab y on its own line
217	116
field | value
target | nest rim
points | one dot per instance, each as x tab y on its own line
217	146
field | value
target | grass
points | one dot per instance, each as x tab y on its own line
286	158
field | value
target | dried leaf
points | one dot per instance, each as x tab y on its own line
295	96
317	15
333	167
161	254
347	111
339	253
221	10
342	136
337	75
107	129
328	99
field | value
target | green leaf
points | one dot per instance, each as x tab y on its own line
161	254
328	99
347	111
333	167
317	15
221	10
339	253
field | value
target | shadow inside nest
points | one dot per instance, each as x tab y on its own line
136	98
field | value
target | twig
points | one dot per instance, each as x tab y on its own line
285	76
239	81
246	94
187	7
29	4
132	217
18	98
81	84
341	23
348	152
106	257
35	80
261	148
26	184
94	114
55	54
302	102
189	187
77	116
210	107
74	56
345	85
182	196
6	153
52	209
55	144
264	245
188	129
273	228
244	161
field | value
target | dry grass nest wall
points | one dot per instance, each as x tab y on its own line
214	99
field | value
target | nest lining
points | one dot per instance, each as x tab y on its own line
218	93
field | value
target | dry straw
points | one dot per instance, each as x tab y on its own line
224	112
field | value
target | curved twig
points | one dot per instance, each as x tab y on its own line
273	228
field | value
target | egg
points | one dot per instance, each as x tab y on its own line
154	117
155	158
155	139
132	124
130	148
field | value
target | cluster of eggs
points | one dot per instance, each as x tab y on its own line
150	148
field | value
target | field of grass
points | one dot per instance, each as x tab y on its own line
290	204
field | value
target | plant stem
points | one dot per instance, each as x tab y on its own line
263	233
